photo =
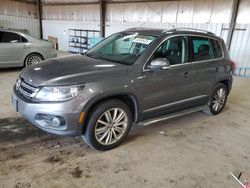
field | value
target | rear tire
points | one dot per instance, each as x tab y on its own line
218	100
108	124
32	59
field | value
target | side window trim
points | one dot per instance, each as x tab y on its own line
189	54
183	50
190	49
212	51
219	47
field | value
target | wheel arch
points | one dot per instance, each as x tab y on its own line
128	99
227	83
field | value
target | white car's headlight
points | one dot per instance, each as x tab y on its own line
60	93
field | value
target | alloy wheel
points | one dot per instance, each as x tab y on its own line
111	126
219	99
34	59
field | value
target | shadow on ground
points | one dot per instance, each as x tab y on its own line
12	69
17	129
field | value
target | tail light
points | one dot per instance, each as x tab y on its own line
233	65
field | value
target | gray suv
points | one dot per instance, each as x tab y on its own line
138	76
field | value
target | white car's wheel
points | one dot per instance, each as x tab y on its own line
33	59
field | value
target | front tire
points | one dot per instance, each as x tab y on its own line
218	100
108	124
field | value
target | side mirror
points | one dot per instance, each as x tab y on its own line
159	64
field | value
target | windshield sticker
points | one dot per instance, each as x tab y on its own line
142	40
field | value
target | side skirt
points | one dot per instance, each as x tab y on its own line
172	115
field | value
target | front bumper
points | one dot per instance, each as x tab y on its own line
35	113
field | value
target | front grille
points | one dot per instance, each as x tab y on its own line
27	90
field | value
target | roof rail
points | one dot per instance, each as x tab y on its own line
189	29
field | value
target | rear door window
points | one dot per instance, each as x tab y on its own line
9	37
202	49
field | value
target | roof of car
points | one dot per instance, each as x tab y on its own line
9	30
181	31
15	31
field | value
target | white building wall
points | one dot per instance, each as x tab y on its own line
60	29
244	12
192	11
57	20
18	15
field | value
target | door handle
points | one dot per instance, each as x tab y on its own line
185	74
217	69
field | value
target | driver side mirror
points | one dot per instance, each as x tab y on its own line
159	64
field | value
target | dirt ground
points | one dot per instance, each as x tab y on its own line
196	150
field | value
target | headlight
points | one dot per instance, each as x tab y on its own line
60	93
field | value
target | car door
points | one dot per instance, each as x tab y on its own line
12	49
206	63
170	90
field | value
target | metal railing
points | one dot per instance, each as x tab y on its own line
242	71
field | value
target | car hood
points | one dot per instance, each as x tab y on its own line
75	69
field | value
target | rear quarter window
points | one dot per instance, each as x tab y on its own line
217	48
24	39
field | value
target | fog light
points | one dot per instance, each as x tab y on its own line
47	120
56	121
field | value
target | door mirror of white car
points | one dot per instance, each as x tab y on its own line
159	64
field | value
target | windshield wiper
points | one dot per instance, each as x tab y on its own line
93	56
107	59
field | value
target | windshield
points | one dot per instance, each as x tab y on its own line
122	48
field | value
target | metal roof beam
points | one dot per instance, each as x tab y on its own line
98	2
